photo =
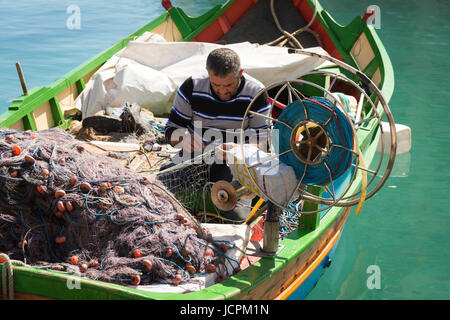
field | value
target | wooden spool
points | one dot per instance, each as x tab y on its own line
224	195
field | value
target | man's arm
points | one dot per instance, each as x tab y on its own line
180	120
181	113
258	124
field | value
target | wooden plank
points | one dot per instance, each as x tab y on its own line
18	126
116	146
43	116
297	282
29	296
88	76
93	149
137	162
168	30
362	52
67	97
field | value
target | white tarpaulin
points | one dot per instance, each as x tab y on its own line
149	71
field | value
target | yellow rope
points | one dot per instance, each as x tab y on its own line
218	216
255	208
363	182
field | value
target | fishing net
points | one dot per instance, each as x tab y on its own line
61	206
187	181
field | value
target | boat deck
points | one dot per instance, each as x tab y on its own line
250	28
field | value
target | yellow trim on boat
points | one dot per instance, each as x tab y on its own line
300	279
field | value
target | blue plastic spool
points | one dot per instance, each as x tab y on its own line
338	129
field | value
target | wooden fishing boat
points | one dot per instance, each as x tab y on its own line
301	257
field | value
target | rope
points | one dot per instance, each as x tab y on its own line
255	209
286	35
363	183
8	276
218	216
338	129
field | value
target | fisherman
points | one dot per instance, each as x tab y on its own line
217	102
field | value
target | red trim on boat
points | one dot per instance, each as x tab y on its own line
223	24
217	29
167	4
368	14
307	13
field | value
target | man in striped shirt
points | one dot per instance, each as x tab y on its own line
217	104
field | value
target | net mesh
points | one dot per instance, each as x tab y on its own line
62	207
187	181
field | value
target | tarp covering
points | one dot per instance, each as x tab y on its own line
149	71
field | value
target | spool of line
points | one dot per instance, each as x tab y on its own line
338	130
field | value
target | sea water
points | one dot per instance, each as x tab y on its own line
402	233
398	246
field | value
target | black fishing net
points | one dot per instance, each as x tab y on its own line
61	206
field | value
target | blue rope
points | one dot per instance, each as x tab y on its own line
182	258
187	276
227	258
120	223
339	129
86	204
11	178
48	239
12	234
6	219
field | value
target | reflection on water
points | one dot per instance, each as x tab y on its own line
401	168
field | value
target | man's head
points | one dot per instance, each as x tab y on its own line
224	69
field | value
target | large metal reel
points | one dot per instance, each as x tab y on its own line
315	143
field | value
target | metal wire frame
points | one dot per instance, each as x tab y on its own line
305	196
372	86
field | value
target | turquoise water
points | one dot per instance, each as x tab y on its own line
404	229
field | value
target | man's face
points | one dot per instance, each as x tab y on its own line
225	87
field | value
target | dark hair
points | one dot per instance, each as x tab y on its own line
222	61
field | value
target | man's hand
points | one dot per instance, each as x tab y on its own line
193	143
222	150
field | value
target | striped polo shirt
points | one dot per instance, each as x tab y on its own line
195	101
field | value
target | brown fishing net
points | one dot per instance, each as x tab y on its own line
61	206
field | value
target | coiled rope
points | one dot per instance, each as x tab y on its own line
338	128
291	36
8	276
